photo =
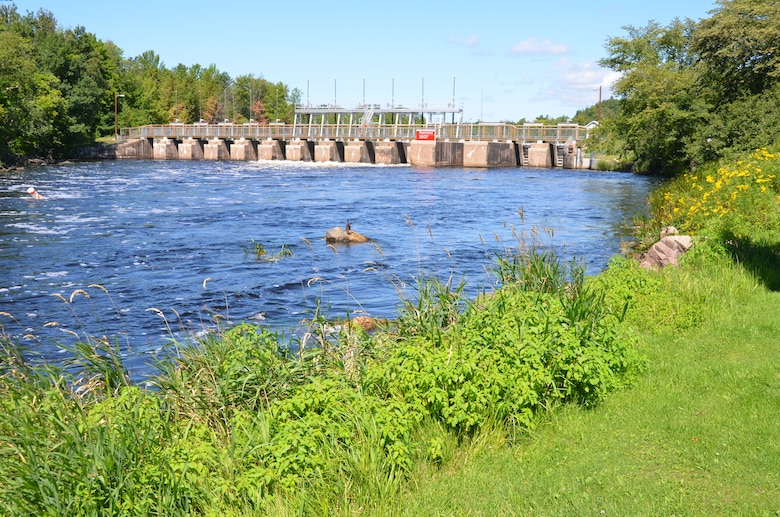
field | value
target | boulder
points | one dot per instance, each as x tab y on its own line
336	234
668	230
666	251
339	234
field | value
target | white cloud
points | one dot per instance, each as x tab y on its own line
533	46
576	85
468	41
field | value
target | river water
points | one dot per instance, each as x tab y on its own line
143	251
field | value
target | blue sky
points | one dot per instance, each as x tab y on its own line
503	60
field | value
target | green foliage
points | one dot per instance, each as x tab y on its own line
245	368
65	454
739	48
659	103
58	87
437	306
736	128
736	206
688	95
547	119
257	250
610	108
740	197
30	101
540	340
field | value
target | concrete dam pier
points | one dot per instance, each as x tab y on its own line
364	135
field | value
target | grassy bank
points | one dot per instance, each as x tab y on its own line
634	392
696	434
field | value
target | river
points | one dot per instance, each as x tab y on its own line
143	252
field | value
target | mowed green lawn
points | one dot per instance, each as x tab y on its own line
697	434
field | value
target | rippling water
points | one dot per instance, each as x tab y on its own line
117	238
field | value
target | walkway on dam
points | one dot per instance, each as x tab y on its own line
484	132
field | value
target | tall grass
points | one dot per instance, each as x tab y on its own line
340	422
74	448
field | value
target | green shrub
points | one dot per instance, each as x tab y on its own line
66	453
239	424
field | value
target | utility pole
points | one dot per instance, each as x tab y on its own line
116	114
600	88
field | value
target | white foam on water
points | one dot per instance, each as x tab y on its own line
55	274
38	229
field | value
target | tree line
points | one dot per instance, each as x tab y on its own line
60	89
691	92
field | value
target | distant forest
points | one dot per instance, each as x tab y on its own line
59	88
689	93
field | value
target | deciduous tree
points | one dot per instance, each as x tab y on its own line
660	107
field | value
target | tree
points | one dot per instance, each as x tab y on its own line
610	108
58	89
29	99
659	105
739	47
547	119
147	76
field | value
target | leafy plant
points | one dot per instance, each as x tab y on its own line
257	250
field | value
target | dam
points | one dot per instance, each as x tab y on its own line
423	135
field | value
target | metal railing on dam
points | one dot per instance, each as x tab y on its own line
526	133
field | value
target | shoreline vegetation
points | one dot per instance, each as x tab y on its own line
631	392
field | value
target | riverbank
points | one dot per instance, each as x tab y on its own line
696	434
106	149
633	391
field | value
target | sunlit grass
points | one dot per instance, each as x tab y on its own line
694	436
